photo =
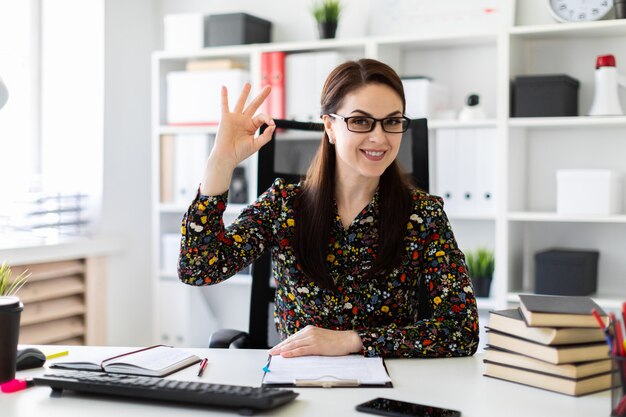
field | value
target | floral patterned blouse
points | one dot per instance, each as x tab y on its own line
384	312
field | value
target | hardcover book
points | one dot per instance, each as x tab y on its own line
562	385
510	321
559	310
569	370
553	354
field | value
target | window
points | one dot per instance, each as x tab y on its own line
51	59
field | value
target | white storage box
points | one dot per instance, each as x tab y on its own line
425	98
194	97
588	191
183	32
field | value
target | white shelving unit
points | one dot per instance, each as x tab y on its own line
528	150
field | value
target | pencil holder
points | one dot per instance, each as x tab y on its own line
618	383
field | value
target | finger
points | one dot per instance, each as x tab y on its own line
301	351
258	100
264	139
282	346
241	101
224	100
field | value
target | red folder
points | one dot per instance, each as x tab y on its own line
273	73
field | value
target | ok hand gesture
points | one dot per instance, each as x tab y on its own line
235	140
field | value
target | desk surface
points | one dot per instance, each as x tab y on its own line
455	383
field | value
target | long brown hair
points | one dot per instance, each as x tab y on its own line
315	212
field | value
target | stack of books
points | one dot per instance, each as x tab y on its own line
550	342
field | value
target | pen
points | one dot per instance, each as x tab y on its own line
57	354
607	336
266	368
202	366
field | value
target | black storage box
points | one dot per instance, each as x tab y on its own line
545	96
566	272
235	29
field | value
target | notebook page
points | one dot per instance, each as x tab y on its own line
327	368
156	358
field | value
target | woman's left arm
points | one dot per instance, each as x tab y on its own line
452	328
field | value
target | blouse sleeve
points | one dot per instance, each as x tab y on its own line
211	252
452	329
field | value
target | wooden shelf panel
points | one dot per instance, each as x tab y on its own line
50	270
52	331
52	288
43	311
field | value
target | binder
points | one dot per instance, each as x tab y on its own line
190	155
353	371
446	168
273	73
485	170
466	170
305	74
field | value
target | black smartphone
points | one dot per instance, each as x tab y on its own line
395	408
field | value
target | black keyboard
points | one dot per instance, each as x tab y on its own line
245	399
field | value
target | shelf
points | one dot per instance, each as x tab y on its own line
459	39
187	130
525	149
570	30
528	216
469	216
235	51
170	208
457	124
564	122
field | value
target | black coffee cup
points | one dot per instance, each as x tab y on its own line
10	311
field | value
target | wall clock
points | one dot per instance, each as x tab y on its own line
579	10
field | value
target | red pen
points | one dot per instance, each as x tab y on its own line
598	318
16	385
202	366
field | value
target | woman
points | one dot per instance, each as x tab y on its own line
353	244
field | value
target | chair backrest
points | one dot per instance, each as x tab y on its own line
261	324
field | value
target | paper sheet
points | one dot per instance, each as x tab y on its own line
367	371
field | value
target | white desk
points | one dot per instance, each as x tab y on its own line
455	383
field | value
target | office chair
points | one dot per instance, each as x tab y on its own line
262	293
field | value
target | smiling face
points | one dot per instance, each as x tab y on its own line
365	156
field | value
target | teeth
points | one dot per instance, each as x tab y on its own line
370	153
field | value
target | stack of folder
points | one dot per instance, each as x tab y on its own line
550	342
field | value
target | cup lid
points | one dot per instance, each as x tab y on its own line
9	303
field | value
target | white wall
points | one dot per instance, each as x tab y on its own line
129	41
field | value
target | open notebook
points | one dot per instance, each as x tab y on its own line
151	361
326	371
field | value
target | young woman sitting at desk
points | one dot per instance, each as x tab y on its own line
353	243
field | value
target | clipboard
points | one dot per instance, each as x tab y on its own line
349	371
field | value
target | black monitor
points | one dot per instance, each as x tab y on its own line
294	144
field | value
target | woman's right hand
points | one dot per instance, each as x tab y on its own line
235	140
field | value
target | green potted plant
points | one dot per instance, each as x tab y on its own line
8	287
480	265
326	13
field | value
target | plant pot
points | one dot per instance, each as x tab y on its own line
482	286
327	30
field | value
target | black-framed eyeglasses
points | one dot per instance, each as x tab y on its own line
364	124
